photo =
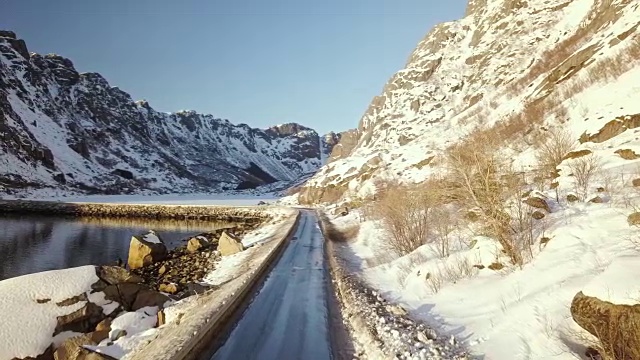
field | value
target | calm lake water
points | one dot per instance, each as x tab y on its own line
30	244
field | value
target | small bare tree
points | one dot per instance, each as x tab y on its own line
406	213
480	178
584	169
444	224
552	152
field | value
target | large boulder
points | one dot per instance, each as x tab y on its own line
634	219
114	275
229	245
616	326
538	201
135	296
145	250
82	320
196	243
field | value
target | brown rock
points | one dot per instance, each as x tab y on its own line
496	266
229	245
148	297
145	250
114	275
545	240
597	200
72	348
627	154
538	202
572	198
82	320
634	219
616	326
636	182
124	294
168	288
104	325
576	154
196	243
538	215
98	336
613	128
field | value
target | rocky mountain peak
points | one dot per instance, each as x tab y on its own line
65	129
287	129
18	45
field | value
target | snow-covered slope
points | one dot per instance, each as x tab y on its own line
61	128
521	66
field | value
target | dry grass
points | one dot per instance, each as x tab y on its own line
450	273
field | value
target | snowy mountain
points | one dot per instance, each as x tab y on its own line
518	68
64	129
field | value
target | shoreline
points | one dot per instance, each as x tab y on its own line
141	211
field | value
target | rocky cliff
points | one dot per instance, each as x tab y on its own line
517	68
64	129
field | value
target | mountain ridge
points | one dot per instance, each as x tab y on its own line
65	129
518	68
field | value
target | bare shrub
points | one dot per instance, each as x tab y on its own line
444	223
405	213
481	179
584	169
552	152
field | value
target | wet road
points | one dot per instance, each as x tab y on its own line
289	316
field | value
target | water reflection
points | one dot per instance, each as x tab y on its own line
31	244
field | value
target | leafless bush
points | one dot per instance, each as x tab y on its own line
482	180
584	169
406	213
444	224
552	152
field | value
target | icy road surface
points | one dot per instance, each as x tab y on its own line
289	316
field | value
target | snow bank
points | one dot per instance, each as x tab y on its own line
513	313
29	310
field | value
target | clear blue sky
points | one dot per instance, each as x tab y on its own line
260	62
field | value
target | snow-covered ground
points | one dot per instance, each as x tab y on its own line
514	313
30	305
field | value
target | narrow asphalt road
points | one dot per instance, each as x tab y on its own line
289	316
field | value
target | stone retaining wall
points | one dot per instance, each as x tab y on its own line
226	213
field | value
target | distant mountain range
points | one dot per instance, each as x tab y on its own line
68	130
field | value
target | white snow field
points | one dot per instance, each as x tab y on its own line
514	313
29	310
27	326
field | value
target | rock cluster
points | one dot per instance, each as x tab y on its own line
180	270
122	289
